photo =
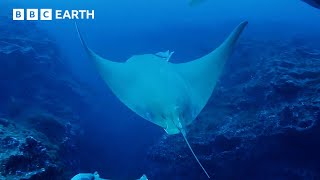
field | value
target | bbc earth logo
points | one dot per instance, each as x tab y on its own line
50	14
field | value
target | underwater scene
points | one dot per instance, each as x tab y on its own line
160	89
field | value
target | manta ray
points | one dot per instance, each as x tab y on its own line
313	3
170	95
195	2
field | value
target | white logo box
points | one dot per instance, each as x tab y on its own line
32	14
48	14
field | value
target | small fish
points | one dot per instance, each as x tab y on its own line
165	55
95	176
143	177
87	176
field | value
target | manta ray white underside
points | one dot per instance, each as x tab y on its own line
167	94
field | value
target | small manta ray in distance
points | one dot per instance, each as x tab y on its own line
167	94
195	2
314	3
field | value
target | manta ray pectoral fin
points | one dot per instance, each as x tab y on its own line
91	54
109	70
202	74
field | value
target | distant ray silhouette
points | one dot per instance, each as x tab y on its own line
195	2
166	94
314	3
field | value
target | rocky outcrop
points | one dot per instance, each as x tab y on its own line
39	108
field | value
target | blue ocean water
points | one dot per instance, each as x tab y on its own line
261	122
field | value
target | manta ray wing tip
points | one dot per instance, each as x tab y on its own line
243	24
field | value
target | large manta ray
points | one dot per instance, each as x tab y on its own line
167	94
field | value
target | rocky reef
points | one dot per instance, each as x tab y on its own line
39	106
262	121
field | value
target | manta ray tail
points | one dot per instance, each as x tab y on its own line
185	138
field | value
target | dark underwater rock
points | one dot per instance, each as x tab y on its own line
49	125
31	160
33	74
27	154
35	81
262	121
